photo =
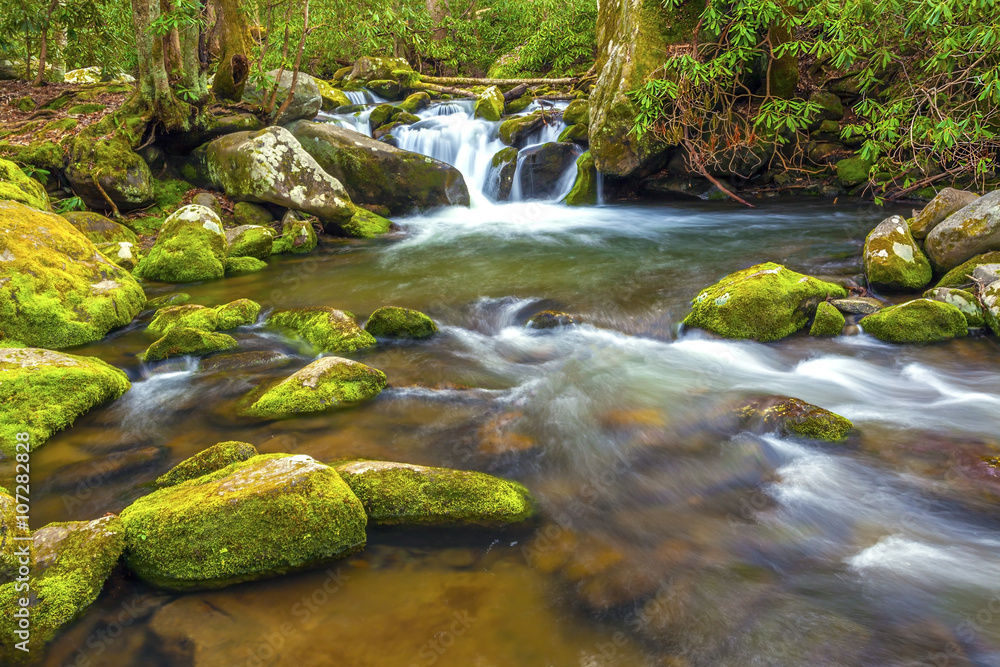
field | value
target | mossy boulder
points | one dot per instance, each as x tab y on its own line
576	134
380	115
404	494
71	563
765	302
297	235
377	174
56	289
325	329
270	166
500	180
972	230
584	192
489	104
551	319
893	259
105	167
991	306
214	458
172	299
237	266
542	166
828	321
416	102
306	99
15	185
100	229
327	383
42	392
515	131
961	275
238	313
937	210
249	214
185	341
124	254
794	417
918	321
186	315
387	88
250	241
963	300
395	322
853	171
332	97
191	246
830	107
9	530
268	515
370	68
366	225
577	112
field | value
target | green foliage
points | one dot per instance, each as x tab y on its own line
73	203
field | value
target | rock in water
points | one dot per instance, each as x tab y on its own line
961	299
489	104
970	231
404	494
550	319
16	186
893	259
326	329
919	321
237	266
237	313
188	315
270	166
306	99
190	246
214	458
791	416
515	131
56	289
185	341
828	321
332	97
297	235
541	167
252	519
584	192
937	210
326	383
250	241
375	173
366	225
765	302
71	563
961	275
394	322
577	112
991	305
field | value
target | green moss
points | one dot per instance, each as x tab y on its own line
380	115
332	97
124	254
109	161
185	341
214	458
85	109
828	322
853	170
893	259
16	186
490	104
515	130
175	299
961	275
56	289
576	134
366	225
584	192
43	392
791	416
47	155
326	329
265	516
190	315
236	266
991	306
577	112
386	88
100	229
402	494
765	302
24	104
247	213
251	241
297	236
415	102
327	383
395	322
520	104
919	321
190	247
237	313
961	299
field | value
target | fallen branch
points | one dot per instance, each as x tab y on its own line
515	93
893	196
469	81
420	85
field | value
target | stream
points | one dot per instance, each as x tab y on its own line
668	536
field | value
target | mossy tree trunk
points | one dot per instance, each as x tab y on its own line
153	94
234	45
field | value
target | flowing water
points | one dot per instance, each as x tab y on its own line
668	537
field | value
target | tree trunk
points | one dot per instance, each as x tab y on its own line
153	93
44	49
437	11
234	65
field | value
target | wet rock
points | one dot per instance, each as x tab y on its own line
329	382
326	329
404	494
256	360
765	302
262	517
828	321
550	319
297	235
502	168
937	210
185	341
919	321
249	214
365	224
541	167
489	104
175	299
791	416
515	131
237	313
576	134
96	472
56	289
395	322
306	99
416	102
961	299
577	112
584	192
858	305
43	392
332	97
498	436
237	266
188	315
961	275
214	458
970	231
893	259
190	246
250	241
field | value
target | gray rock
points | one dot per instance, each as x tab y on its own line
541	167
991	304
893	259
858	305
946	202
970	231
985	274
208	200
306	99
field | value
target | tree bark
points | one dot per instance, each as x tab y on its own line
469	81
44	49
234	65
437	12
420	85
153	93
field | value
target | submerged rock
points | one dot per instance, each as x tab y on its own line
584	192
328	382
306	99
937	210
961	275
297	235
489	104
893	259
791	416
919	321
15	185
326	329
185	341
970	231
188	315
250	241
395	322
190	246
542	166
961	299
404	494
252	519
765	302
257	359
550	319
214	458
828	322
56	289
858	305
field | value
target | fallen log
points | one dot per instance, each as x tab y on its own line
420	85
515	93
469	81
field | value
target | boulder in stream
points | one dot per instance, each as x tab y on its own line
937	210
542	166
395	322
214	458
187	315
893	259
250	241
328	382
297	234
961	275
190	246
970	231
503	166
584	192
550	319
237	266
918	321
238	313
326	329
964	300
185	341
515	131
794	417
828	321
489	104
991	306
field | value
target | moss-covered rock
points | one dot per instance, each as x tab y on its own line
42	392
214	458
972	230
71	563
237	313
416	102
387	88
489	104
173	299
893	259
56	289
124	254
326	329
380	115
765	302
395	322
188	315
937	210
577	112
584	192
370	68
366	225
500	180
250	241
297	235
332	97
550	319
185	341
191	246
515	131
209	201
858	305
961	275
991	306
100	229
16	186
247	213
576	134
306	98
830	106
404	494
252	519
9	530
828	321
961	299
103	167
520	104
791	416
542	166
919	321
853	171
237	266
327	383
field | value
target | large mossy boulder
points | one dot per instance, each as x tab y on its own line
186	315
377	174
72	561
369	68
327	383
56	289
853	170
43	392
962	274
489	105
306	99
893	259
969	231
100	229
325	329
404	494
515	131
918	321
268	515
190	246
188	342
250	241
577	112
332	97
937	210
415	103
216	457
15	185
964	300
105	167
396	322
270	166
794	417
765	302
584	192
542	166
238	313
